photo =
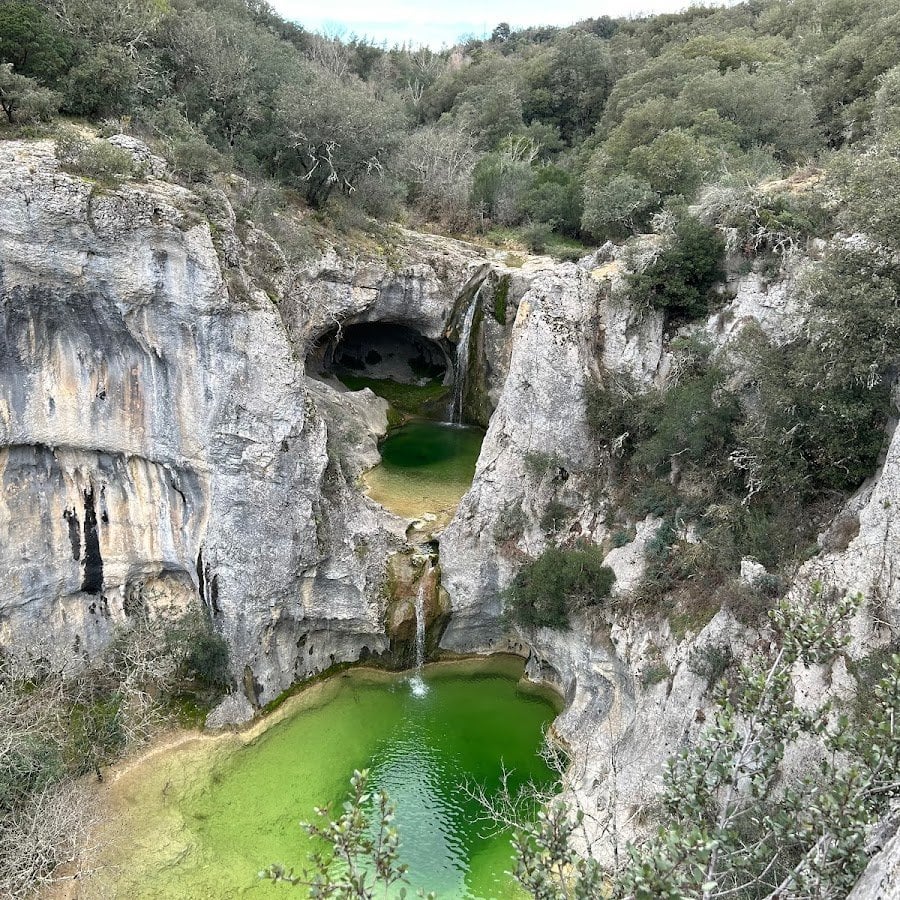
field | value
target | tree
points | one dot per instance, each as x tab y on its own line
438	161
102	83
681	277
733	826
30	41
548	589
328	133
23	100
500	35
886	113
616	205
674	162
361	857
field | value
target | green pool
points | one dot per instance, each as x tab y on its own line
203	819
426	467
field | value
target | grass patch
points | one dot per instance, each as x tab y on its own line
426	400
552	244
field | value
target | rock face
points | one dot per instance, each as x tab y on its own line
537	440
632	698
881	879
160	442
162	445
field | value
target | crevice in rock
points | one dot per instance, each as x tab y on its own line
92	582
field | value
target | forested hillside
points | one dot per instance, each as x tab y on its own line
585	131
699	402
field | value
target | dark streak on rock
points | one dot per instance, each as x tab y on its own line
71	518
93	562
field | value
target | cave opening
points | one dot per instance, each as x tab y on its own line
428	455
412	372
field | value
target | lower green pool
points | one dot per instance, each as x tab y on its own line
201	820
425	467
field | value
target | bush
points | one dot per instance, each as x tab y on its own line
93	159
681	278
554	198
537	237
199	653
694	422
616	206
554	515
207	661
711	662
23	100
548	589
102	84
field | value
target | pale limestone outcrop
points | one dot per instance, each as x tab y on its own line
538	439
881	879
862	554
160	440
632	696
157	430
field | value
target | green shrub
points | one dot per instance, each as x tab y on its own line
694	422
681	278
96	736
207	661
537	237
548	589
711	662
30	763
93	159
199	653
554	198
654	673
553	516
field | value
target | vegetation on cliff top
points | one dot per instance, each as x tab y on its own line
585	131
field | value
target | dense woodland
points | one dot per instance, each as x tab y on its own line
753	136
584	131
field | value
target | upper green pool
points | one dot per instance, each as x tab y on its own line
201	819
425	467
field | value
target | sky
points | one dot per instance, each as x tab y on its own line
434	24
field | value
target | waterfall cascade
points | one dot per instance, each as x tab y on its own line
463	351
419	688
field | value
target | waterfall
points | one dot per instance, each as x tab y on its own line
420	623
463	349
419	688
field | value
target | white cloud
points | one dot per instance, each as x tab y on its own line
396	21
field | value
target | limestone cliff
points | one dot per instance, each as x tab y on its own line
159	439
162	443
632	698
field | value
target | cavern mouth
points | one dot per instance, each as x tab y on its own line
429	456
203	819
412	372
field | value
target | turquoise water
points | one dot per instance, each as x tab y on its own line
230	814
426	467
